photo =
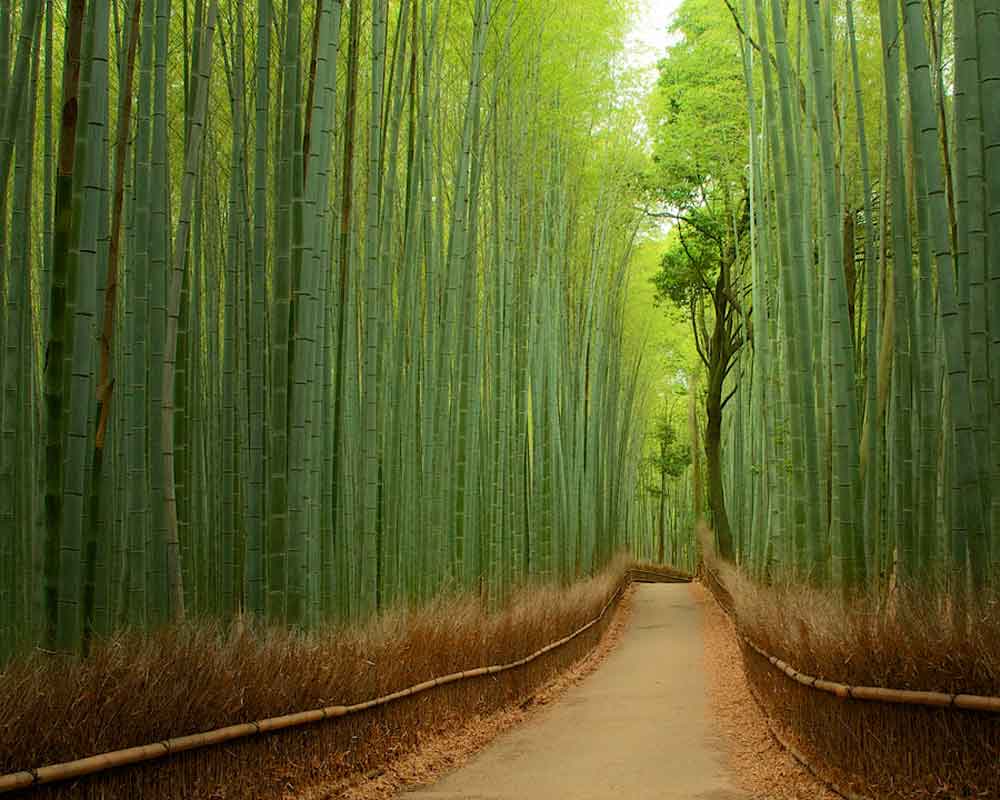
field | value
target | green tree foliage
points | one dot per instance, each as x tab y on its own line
674	454
698	183
699	139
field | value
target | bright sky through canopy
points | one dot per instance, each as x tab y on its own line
647	42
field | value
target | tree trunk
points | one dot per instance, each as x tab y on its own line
713	458
696	485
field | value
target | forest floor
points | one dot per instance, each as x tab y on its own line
660	709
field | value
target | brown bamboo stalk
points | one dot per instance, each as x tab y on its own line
311	91
105	385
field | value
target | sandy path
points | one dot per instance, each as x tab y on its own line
639	727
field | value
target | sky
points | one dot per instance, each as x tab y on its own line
648	40
667	342
646	44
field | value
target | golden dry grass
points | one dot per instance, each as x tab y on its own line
136	689
909	642
761	766
450	747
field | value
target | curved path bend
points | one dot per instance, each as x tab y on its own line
636	729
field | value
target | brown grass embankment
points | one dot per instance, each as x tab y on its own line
140	689
877	749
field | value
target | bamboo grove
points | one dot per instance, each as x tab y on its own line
862	441
309	309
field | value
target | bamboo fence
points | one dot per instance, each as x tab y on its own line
103	762
874	694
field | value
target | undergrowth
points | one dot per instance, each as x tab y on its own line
141	688
907	641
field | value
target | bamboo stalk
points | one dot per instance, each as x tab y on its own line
175	588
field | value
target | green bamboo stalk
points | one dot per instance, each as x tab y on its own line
971	238
340	467
192	161
372	322
13	106
183	444
136	335
258	403
17	375
55	582
47	160
278	544
847	542
870	438
968	519
987	26
106	381
233	257
157	589
795	308
306	382
81	294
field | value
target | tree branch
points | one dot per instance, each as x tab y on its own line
729	396
697	339
694	262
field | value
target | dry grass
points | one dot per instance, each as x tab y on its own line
138	689
450	748
877	749
761	766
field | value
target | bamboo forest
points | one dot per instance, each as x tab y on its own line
634	359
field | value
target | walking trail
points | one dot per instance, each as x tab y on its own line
638	728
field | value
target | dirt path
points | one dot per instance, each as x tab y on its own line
639	727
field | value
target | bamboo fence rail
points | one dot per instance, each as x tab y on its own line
875	694
91	765
799	756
